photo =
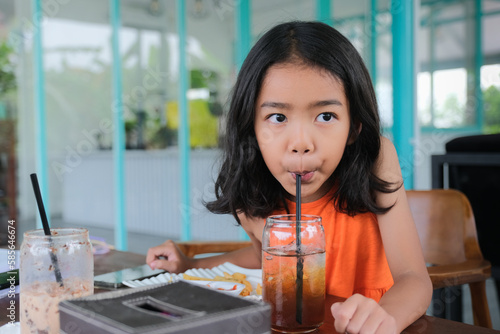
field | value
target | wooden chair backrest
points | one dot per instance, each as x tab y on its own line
445	224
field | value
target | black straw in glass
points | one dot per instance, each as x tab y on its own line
300	260
45	224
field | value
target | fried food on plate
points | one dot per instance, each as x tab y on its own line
236	278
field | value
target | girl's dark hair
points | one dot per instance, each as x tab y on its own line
244	183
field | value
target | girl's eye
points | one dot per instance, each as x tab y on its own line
325	117
277	118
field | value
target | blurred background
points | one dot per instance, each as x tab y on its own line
119	105
69	67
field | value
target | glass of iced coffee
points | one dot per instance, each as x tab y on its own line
294	311
53	268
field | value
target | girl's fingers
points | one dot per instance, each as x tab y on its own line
367	312
360	314
342	314
163	250
170	266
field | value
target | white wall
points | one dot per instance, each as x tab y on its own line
152	183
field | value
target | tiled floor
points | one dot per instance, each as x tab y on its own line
140	243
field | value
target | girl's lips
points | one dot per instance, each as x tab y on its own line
306	176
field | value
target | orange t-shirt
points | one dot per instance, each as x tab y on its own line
355	256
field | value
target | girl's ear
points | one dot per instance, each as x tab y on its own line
354	135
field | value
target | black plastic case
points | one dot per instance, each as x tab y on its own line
168	308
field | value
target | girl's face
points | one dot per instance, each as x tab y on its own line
302	126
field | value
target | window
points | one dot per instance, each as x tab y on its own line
446	58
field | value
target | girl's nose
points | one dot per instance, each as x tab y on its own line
301	141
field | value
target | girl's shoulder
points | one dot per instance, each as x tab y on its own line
246	220
386	146
253	226
387	166
388	169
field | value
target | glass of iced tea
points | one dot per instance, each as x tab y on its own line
53	268
281	260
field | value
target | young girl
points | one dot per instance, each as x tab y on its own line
303	104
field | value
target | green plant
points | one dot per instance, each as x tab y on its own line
7	75
203	78
491	99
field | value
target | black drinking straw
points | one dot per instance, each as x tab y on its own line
46	229
300	260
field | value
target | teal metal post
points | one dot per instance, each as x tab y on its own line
403	85
243	45
323	11
432	63
373	41
119	131
184	144
39	101
478	62
243	31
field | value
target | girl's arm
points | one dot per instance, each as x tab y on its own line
169	257
411	293
248	257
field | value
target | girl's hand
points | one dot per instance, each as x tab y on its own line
169	257
359	314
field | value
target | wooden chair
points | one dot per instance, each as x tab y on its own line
192	248
447	231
